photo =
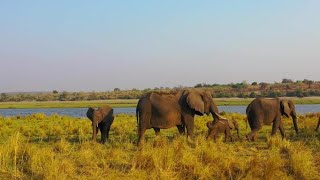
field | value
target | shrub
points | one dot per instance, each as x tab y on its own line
253	95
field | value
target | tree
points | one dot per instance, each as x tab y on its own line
239	85
3	97
198	85
93	96
299	93
254	83
55	92
253	95
309	82
63	96
242	95
263	85
287	81
116	90
273	94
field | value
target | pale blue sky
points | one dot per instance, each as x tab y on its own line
99	45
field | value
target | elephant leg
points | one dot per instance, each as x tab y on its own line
238	133
190	126
103	138
107	133
109	123
225	136
255	126
228	134
281	128
94	135
103	133
215	137
210	134
142	130
318	125
181	129
252	136
157	131
275	126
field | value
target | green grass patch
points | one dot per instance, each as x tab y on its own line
133	102
69	104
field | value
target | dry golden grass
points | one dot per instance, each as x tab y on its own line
59	147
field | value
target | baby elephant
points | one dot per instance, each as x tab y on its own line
222	126
101	118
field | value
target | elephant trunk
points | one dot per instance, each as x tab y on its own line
215	113
94	127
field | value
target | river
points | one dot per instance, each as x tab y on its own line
81	112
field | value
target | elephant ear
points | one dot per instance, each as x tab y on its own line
195	102
209	125
285	107
90	113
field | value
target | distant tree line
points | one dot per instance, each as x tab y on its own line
285	88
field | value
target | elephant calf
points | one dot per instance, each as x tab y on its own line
222	126
101	118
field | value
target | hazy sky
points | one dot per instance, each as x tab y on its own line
100	45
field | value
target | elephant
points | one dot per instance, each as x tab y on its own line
101	118
264	111
222	126
163	110
318	124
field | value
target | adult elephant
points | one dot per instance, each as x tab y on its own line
159	110
264	111
101	118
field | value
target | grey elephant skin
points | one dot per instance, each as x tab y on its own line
101	118
165	110
264	111
222	126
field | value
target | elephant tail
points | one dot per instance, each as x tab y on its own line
247	113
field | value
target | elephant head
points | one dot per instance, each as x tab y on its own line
287	108
202	103
211	129
209	125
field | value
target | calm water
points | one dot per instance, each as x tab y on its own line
81	112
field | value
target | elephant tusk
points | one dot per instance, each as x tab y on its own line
220	117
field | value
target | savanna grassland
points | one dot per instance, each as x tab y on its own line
59	147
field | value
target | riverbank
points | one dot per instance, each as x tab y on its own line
117	103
